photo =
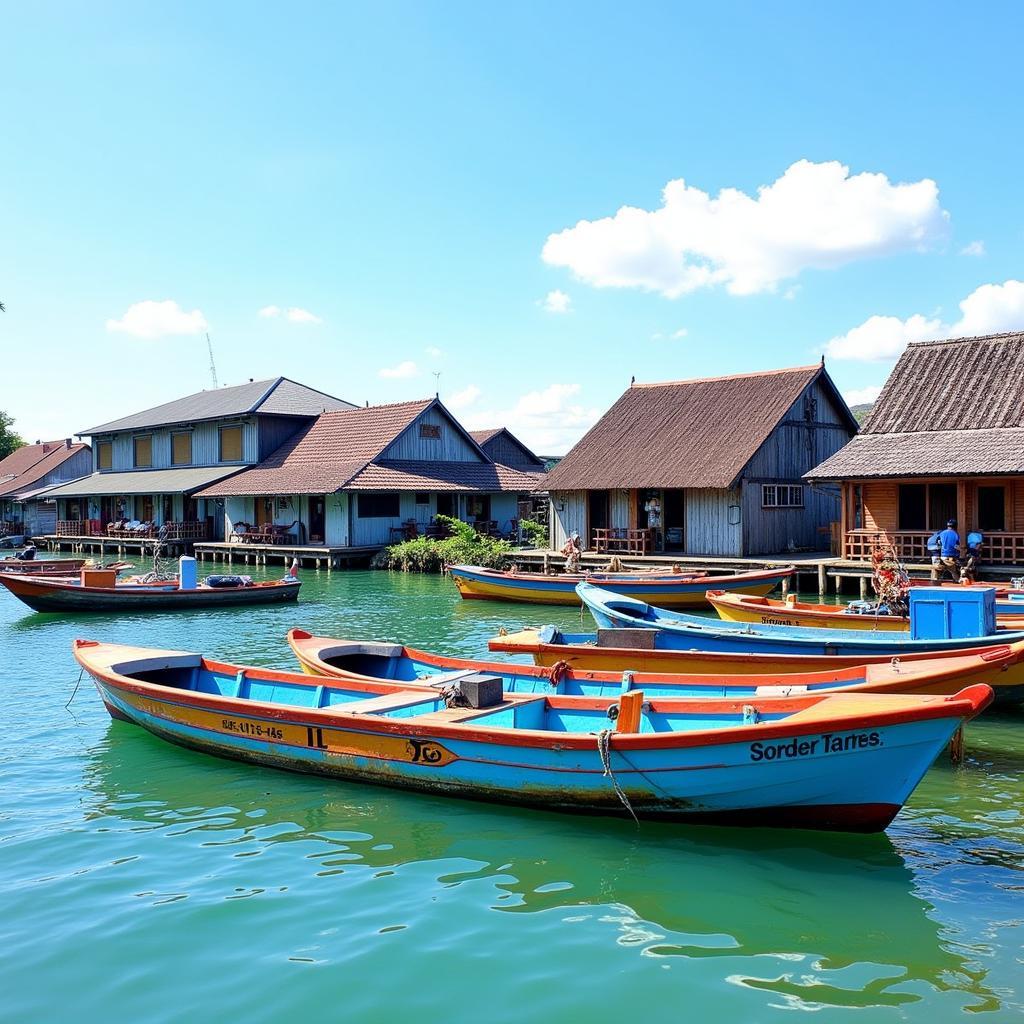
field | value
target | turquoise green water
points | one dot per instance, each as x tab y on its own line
143	882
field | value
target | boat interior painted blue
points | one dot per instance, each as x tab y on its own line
531	714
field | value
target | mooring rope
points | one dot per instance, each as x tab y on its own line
604	738
75	690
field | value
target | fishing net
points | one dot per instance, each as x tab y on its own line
890	579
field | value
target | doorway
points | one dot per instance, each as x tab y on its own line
675	520
317	519
597	514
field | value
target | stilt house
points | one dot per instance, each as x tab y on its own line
712	466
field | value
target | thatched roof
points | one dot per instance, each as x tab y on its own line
948	408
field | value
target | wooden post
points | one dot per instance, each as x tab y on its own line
630	707
961	510
822	579
785	585
863	588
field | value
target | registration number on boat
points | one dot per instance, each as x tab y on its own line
256	729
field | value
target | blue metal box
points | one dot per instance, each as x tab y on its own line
952	613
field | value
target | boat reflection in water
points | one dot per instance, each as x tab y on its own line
811	919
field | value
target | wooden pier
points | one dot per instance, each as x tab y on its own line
98	544
814	571
309	556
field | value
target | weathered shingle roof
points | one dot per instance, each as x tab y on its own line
342	450
327	454
501	445
948	407
180	480
278	396
692	433
30	463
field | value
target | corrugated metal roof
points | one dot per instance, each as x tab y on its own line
142	481
277	396
962	384
30	463
693	433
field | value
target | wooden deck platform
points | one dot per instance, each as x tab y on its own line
98	544
310	556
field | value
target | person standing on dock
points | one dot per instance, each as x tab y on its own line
949	548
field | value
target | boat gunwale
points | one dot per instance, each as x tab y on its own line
918	708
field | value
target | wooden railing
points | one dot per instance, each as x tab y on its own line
912	546
622	541
185	531
71	528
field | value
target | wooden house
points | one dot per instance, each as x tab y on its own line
712	466
944	440
26	477
369	476
149	466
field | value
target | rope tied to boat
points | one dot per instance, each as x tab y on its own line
604	741
558	672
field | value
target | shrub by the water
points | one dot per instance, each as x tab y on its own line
464	547
536	534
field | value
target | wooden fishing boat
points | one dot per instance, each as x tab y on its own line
845	762
370	661
772	612
42	566
646	650
693	632
671	590
45	594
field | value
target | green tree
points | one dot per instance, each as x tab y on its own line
9	440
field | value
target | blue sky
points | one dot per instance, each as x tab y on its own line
392	173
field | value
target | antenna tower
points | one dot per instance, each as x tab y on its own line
213	365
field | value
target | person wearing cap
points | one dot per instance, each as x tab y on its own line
949	548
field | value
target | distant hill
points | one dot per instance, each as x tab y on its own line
861	411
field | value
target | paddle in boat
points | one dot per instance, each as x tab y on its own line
370	661
862	615
845	762
101	591
669	590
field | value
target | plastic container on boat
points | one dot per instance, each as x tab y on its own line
941	613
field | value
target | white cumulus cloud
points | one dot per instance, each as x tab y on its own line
990	309
862	396
549	420
464	398
557	302
403	371
151	320
816	215
294	313
976	248
433	351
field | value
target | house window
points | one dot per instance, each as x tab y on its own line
379	506
430	430
181	449
782	496
143	451
912	507
422	498
991	508
104	454
448	505
230	444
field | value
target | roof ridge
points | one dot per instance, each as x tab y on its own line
730	376
998	336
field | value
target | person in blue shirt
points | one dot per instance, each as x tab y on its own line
968	570
949	548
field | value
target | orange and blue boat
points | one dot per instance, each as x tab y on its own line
769	611
668	590
645	650
843	762
372	661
